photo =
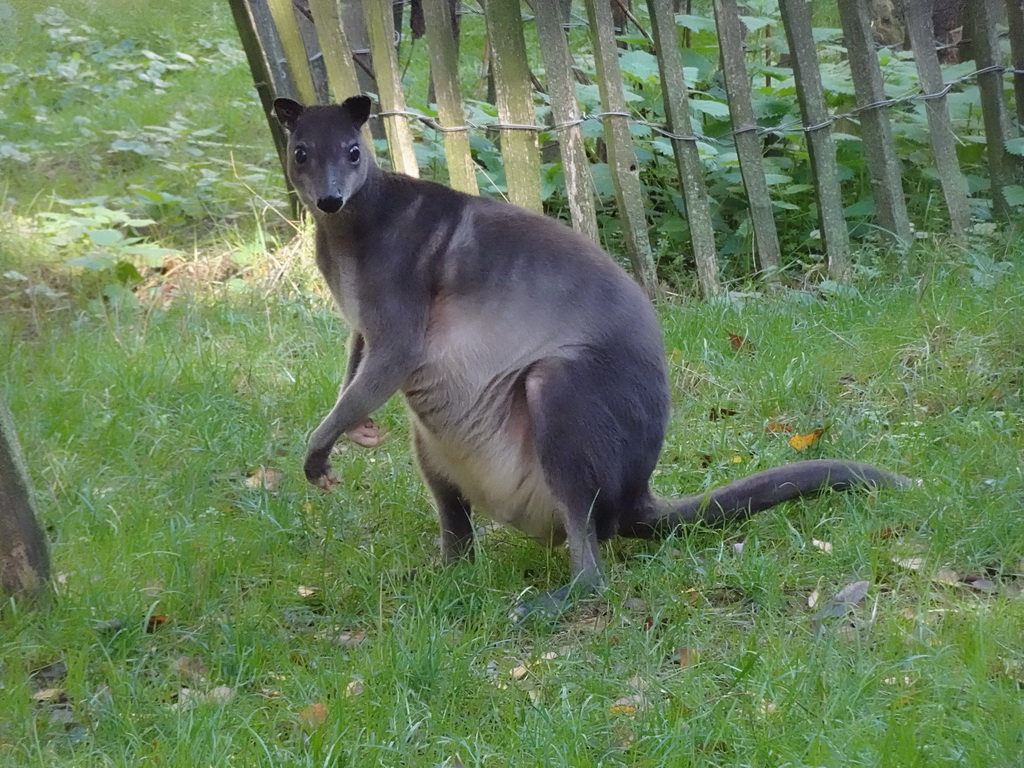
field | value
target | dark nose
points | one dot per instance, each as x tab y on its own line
330	204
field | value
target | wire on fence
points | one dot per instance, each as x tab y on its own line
725	139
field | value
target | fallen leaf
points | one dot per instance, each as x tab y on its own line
494	676
222	695
307	592
720	413
190	667
979	582
107	625
766	707
349	639
155	621
686	657
947	576
355	686
628	705
50	673
634	604
48	695
885	534
774	427
844	601
803	442
812	599
737	547
63	715
824	546
625	735
912	563
187	698
264	477
313	716
905	680
639	683
740	343
519	671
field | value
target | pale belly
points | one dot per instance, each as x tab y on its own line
500	477
478	434
468	403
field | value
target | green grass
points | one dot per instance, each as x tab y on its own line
101	104
141	425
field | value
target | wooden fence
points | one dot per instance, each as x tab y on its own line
307	49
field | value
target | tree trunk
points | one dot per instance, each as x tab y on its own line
24	562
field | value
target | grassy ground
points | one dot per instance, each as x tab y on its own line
211	608
210	605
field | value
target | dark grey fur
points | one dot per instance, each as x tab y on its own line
532	366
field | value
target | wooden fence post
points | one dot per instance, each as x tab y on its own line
879	149
259	66
688	163
1015	16
294	49
748	143
796	17
270	42
330	33
621	154
940	129
444	71
993	105
341	69
24	561
514	92
566	112
380	24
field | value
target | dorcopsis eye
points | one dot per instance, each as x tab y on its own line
300	155
353	154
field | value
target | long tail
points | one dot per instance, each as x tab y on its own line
762	490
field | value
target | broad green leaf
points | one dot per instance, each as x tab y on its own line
695	23
94	261
1014	194
154	255
755	23
640	64
126	272
132	145
711	107
105	237
1015	147
602	178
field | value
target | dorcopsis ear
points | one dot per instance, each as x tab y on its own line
358	109
287	112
